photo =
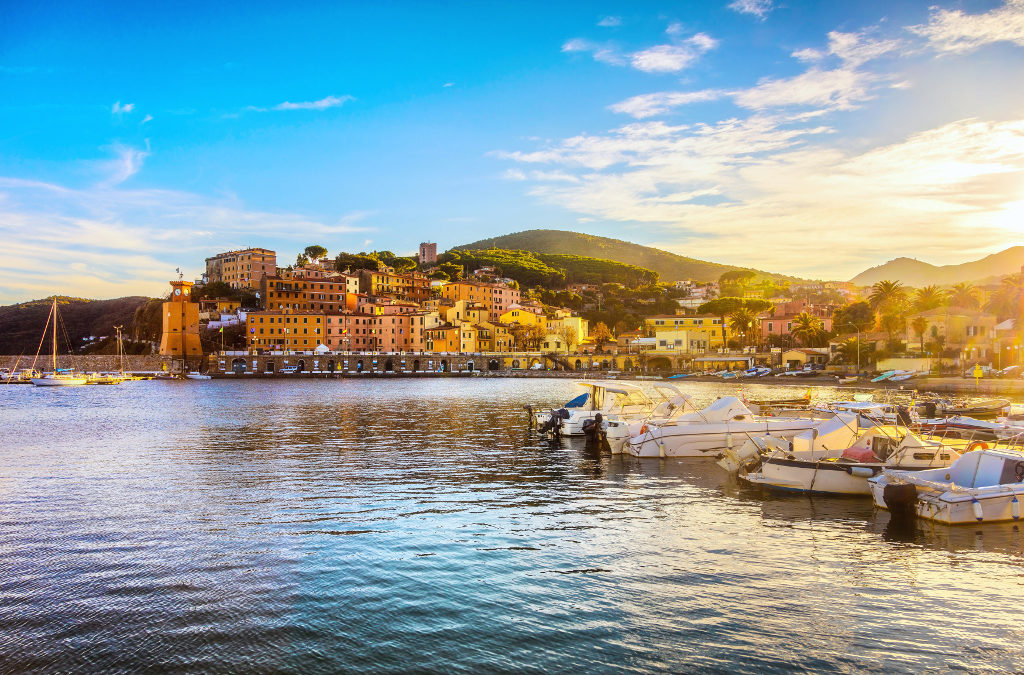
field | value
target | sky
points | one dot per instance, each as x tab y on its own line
811	139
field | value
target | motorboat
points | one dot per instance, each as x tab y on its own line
619	431
838	431
615	401
195	375
716	428
984	486
846	471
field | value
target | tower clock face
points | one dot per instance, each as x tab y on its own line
186	291
177	291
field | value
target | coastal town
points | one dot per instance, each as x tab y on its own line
247	314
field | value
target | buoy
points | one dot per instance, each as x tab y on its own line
1015	508
977	446
976	506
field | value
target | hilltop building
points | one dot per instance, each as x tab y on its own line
241	269
428	253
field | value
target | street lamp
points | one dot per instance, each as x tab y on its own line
856	328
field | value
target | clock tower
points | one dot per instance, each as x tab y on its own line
180	323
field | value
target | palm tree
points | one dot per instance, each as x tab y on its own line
1008	301
807	328
742	322
887	295
847	351
929	297
964	296
920	325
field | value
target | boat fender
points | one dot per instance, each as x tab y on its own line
861	471
976	507
977	446
1015	508
901	500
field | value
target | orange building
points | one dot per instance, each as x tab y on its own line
414	286
180	335
330	294
277	330
495	297
241	269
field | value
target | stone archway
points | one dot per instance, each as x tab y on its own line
493	365
389	366
659	364
359	366
330	366
416	365
444	366
578	365
301	366
469	366
238	366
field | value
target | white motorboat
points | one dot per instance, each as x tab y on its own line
194	375
618	432
984	486
718	427
614	401
839	431
846	471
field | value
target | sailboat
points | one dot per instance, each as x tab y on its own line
58	378
113	378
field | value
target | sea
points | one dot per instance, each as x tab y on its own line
418	525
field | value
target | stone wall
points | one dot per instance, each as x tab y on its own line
149	363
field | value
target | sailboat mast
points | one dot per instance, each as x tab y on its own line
54	335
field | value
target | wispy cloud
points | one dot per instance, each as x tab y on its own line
649	105
127	162
678	55
758	8
954	31
610	22
147	118
321	104
117	109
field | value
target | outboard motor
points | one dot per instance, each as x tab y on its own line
532	422
554	423
901	500
929	409
903	415
593	430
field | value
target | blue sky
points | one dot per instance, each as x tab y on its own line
813	139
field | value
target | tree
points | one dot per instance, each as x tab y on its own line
920	325
722	307
1008	301
859	315
887	295
807	328
742	323
301	260
892	323
404	264
847	352
453	271
736	281
315	252
964	296
356	261
929	297
600	334
569	337
534	335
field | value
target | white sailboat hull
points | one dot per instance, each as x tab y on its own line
58	381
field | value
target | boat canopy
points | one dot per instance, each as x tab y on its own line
725	409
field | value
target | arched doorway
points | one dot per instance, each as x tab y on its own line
416	365
238	366
330	366
301	366
515	364
578	365
493	365
389	366
444	366
469	366
359	366
659	364
604	364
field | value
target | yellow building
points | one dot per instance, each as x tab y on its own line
464	310
524	317
291	331
712	325
675	341
564	319
180	335
496	337
241	269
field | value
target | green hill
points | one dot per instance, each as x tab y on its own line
552	270
669	266
21	325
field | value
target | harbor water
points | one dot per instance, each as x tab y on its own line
417	525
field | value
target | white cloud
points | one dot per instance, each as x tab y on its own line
648	105
147	118
953	31
759	8
610	22
808	54
148	233
127	162
674	57
839	89
322	104
857	48
118	109
448	84
604	53
763	184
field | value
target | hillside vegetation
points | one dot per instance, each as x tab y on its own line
669	266
917	273
550	270
21	325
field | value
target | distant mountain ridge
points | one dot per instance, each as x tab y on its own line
918	273
80	318
670	266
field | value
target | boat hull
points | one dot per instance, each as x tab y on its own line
58	381
960	507
833	478
709	440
